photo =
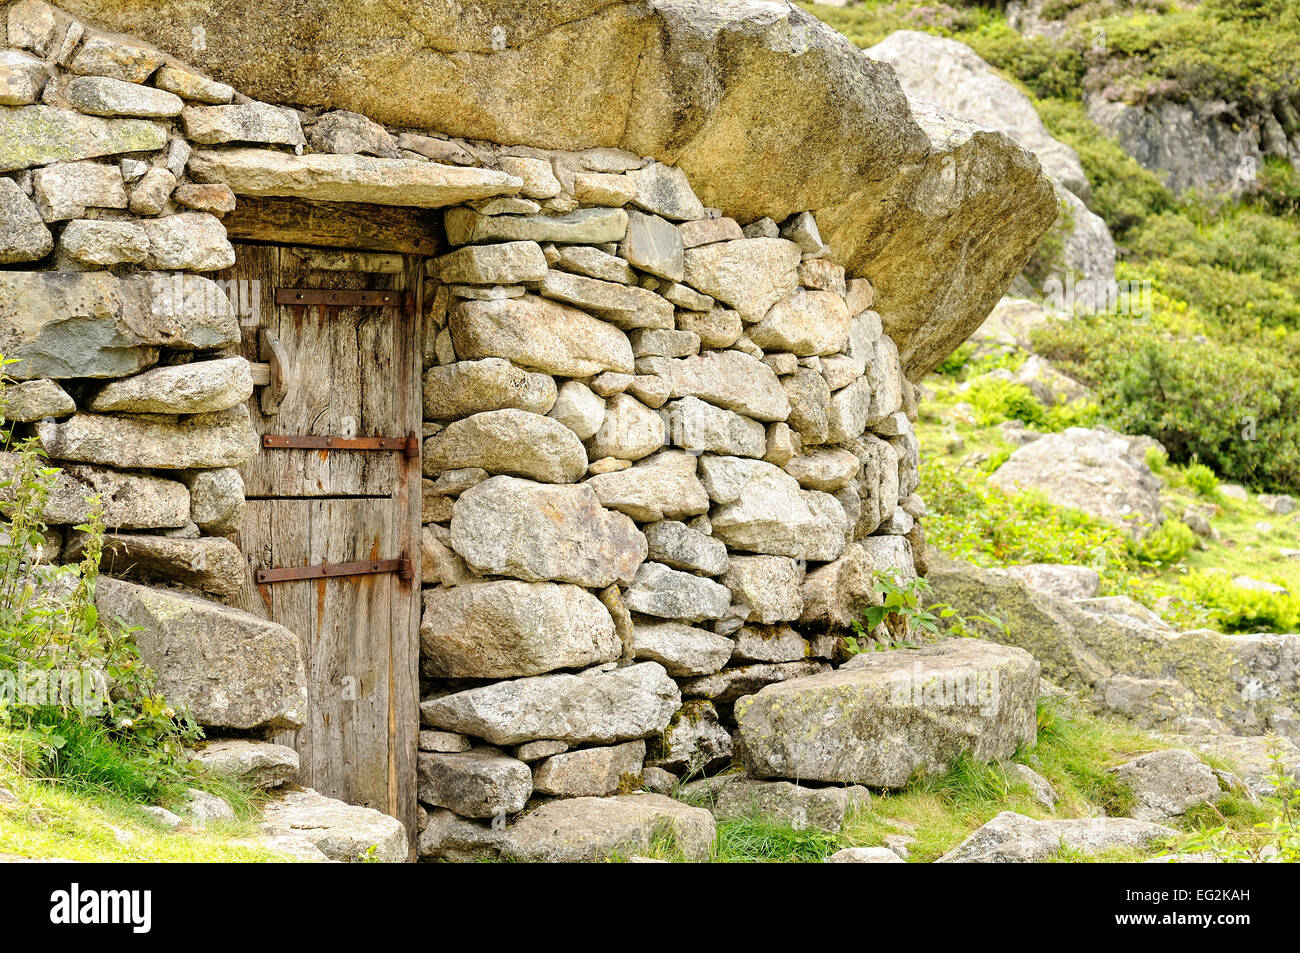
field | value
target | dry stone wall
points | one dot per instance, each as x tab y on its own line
665	452
664	456
124	370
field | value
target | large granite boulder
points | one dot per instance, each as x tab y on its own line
258	763
481	782
1099	471
937	262
221	439
1130	661
936	69
62	324
1254	758
232	669
131	500
883	717
767	110
949	73
790	804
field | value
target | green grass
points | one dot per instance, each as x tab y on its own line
83	756
84	820
763	840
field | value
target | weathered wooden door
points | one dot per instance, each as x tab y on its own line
333	504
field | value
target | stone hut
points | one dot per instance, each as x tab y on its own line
504	392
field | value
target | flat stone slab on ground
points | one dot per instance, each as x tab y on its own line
339	830
1012	838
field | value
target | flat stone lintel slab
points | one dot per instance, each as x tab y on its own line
349	178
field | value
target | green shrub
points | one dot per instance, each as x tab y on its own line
999	456
1228	404
1046	68
1234	609
1206	52
996	400
1079	413
1279	188
954	362
1164	546
1241	266
1201	480
1238	239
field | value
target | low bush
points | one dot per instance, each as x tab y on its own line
1164	546
1234	609
1201	480
1229	405
996	400
1242	51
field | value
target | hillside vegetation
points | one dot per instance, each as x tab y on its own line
1213	372
1220	355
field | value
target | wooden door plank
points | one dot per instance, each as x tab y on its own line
404	642
344	627
339	383
252	281
254	541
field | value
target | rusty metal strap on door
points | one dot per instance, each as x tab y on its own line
401	565
346	298
408	445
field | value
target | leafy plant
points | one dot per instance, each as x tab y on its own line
998	457
55	647
997	400
902	615
1276	840
1230	405
954	362
1201	480
1166	545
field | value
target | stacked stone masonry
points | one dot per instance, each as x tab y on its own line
665	452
